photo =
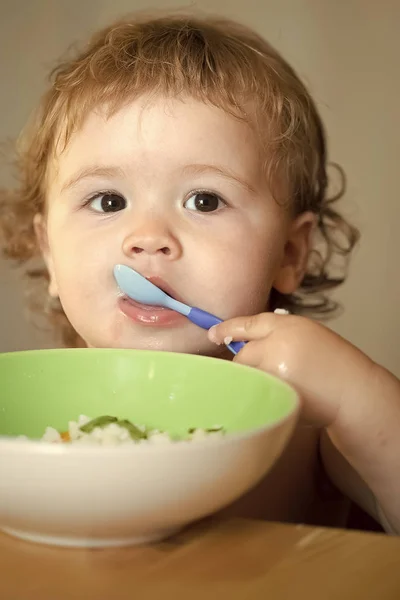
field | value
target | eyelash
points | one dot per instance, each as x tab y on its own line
97	195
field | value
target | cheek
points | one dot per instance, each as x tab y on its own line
251	278
243	274
79	261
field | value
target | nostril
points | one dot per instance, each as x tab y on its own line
138	250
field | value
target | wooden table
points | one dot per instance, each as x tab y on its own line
236	559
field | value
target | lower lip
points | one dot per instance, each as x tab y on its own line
153	316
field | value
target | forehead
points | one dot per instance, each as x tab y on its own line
163	130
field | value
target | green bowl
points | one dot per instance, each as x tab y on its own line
102	496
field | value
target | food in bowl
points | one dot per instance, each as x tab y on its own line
111	431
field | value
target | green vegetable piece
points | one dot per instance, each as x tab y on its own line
208	430
215	429
135	433
98	422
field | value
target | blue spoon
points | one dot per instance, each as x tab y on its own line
141	290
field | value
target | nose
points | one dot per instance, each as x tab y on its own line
152	238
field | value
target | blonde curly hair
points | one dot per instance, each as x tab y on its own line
213	60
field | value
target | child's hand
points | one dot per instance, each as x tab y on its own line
318	363
356	400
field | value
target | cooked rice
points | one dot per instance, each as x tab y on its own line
114	434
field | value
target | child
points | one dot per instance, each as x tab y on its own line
189	150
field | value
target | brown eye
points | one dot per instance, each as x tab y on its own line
108	202
204	202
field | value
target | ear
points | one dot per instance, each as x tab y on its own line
295	254
40	227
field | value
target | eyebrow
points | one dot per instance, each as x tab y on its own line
92	171
200	169
116	171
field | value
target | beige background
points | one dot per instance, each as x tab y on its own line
347	51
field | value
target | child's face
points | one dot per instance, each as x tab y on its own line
177	194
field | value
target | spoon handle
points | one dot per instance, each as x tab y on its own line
206	320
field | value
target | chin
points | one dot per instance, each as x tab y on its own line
203	348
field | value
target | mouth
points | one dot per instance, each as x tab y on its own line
148	307
145	314
153	316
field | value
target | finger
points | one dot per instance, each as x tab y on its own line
251	355
244	329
